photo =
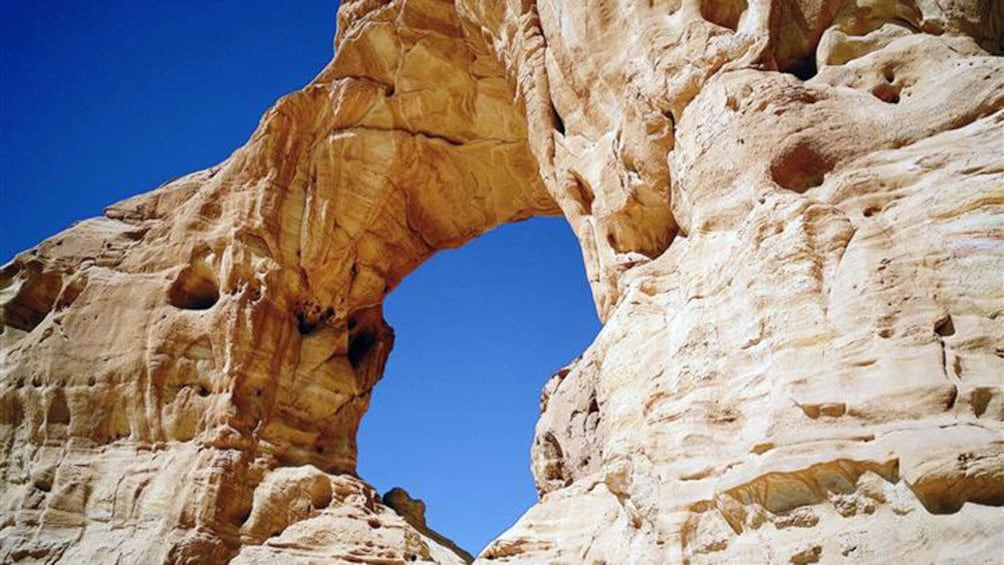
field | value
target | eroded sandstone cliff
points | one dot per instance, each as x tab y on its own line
791	213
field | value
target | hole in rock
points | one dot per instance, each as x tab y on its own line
479	330
310	317
803	69
945	327
196	288
887	93
359	346
800	169
33	293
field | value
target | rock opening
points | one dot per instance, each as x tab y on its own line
195	288
478	331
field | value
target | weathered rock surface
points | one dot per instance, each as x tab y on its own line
791	213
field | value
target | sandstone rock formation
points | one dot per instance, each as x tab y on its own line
791	213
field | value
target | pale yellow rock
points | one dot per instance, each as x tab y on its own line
791	213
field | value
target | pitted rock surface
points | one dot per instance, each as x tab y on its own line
791	213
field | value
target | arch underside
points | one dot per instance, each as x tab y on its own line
790	214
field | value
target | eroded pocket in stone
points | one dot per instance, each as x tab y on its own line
800	168
196	287
27	295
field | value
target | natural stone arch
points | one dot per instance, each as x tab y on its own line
426	152
244	302
705	423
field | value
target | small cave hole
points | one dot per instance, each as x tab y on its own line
800	169
804	68
944	327
304	325
33	299
196	288
359	346
310	317
43	483
887	93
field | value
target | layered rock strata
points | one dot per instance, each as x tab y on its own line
791	213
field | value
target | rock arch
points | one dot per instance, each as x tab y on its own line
244	321
183	377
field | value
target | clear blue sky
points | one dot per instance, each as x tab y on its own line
103	100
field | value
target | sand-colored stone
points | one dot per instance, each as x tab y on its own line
791	213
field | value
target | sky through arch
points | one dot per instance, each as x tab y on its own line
479	330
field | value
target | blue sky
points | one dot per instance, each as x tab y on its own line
478	332
103	100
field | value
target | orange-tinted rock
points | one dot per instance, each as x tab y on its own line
791	214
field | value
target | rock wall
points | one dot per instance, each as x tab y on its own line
791	213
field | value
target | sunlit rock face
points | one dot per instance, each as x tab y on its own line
791	213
